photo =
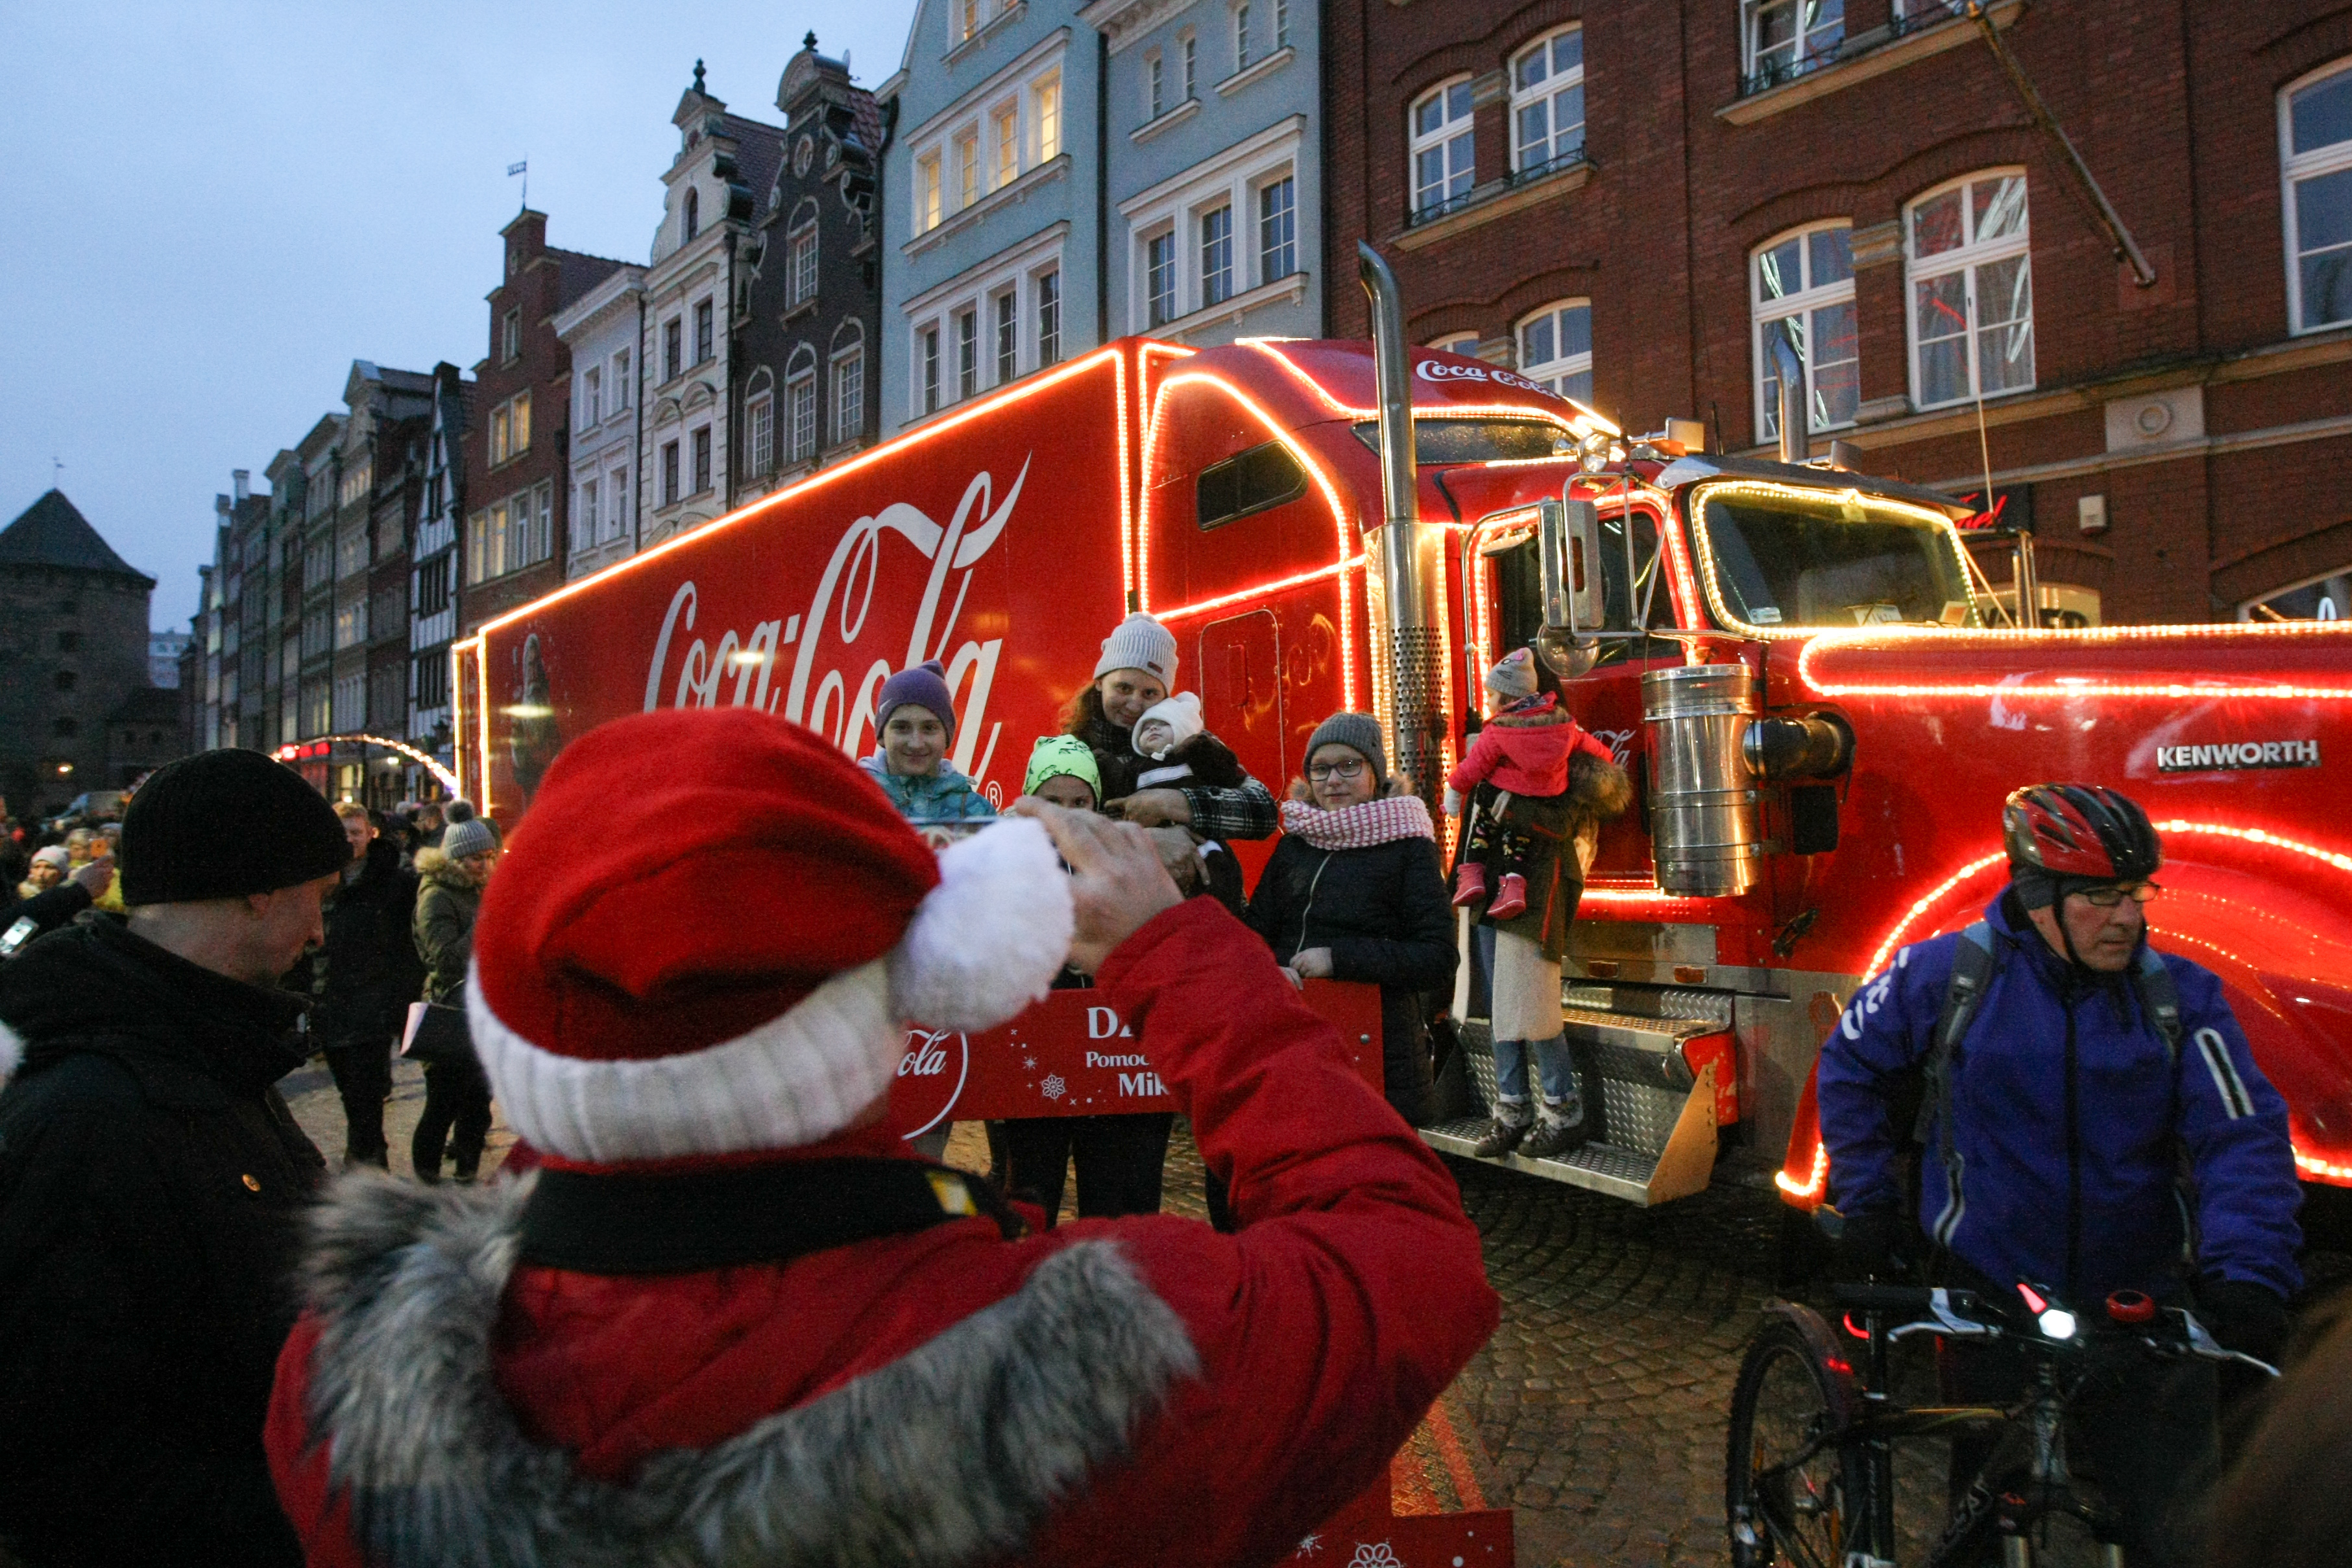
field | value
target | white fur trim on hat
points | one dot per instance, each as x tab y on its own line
795	1080
984	944
12	1051
989	939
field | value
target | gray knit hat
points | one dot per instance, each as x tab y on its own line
1359	731
471	837
1139	642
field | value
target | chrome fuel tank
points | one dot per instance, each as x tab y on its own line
1702	796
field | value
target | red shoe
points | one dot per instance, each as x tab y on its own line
1469	883
1510	899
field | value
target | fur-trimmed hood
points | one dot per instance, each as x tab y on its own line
950	1454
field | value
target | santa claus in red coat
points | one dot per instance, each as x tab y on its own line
732	1320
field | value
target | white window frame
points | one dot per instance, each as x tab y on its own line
1231	178
1241	16
1004	328
1544	94
617	497
1004	150
1046	103
848	393
1449	128
1155	84
622	395
2294	170
759	434
1800	304
591	396
1048	350
940	308
1462	343
586	514
927	193
970	173
1214	252
1260	218
800	401
1191	44
960	141
1969	258
800	249
1281	25
1560	369
1805	53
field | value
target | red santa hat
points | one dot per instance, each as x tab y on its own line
708	934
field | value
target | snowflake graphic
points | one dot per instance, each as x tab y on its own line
1374	1556
1053	1088
1030	1063
1311	1546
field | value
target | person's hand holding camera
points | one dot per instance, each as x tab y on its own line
1117	883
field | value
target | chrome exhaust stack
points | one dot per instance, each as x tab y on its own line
1407	558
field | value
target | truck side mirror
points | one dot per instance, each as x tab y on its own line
1567	535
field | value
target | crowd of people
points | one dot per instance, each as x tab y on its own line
721	1290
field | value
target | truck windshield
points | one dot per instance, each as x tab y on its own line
1477	440
1786	558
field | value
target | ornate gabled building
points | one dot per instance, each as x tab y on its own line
73	651
433	571
803	364
694	289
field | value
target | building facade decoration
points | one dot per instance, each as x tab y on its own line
600	330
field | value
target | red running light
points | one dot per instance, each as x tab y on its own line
2131	1306
2033	1303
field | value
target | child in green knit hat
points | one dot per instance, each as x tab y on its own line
1062	771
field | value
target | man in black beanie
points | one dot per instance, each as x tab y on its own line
151	1179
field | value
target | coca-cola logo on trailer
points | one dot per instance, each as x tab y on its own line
931	1076
835	669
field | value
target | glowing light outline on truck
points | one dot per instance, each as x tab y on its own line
1340	515
1891	639
1584	421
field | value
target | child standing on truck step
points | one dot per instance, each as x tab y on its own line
914	721
1523	750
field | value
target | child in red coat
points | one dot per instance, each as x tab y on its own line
1524	749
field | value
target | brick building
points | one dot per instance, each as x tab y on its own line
516	483
1630	202
73	651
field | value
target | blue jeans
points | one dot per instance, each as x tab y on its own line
1555	1070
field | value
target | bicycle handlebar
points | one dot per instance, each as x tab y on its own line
1964	1314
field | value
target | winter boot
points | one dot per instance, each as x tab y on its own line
1510	899
1469	883
1560	1128
1503	1133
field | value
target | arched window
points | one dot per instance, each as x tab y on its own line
1462	343
1801	286
800	404
1443	150
848	382
1967	262
800	255
2316	157
1556	348
693	213
760	422
1547	102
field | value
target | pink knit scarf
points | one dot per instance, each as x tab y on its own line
1360	826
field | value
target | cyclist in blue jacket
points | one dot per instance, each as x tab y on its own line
2076	1135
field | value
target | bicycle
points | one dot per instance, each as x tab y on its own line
1810	1471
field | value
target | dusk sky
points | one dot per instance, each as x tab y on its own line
213	209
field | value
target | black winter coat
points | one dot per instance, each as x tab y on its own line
363	976
1384	914
150	1181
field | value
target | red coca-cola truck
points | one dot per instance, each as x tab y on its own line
1808	677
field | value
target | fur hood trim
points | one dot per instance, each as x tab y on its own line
950	1456
436	868
1598	788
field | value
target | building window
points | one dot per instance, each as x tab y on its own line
1443	149
621	380
930	369
1783	39
521	423
927	193
1008	144
967	352
1240	37
510	336
1555	348
1462	343
1008	336
1216	255
1971	290
693	213
669	473
1278	229
616	513
2316	137
704	334
803	287
1047	101
799	398
673	348
967	18
1049	318
583	523
431	681
1547	102
701	440
591	396
357	480
967	149
1159	277
1191	66
849	394
760	442
1802	289
1155	76
1282	24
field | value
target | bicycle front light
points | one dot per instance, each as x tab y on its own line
2056	1323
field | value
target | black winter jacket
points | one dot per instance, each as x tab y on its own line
367	972
151	1180
1384	914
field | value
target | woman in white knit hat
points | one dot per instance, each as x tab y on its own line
1135	672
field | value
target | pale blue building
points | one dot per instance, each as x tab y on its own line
992	201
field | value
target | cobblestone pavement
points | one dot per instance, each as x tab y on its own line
1598	1405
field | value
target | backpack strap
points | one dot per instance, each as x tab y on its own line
1972	970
